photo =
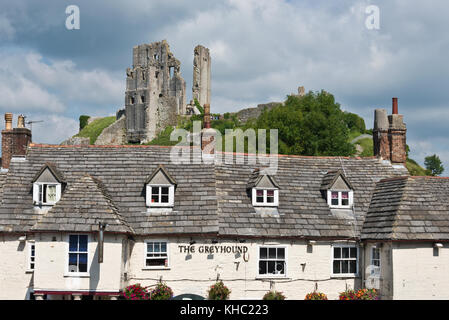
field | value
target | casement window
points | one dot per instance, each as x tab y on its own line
160	195
340	199
46	193
265	197
345	260
31	255
78	254
375	261
156	254
272	261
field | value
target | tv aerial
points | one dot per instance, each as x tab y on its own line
31	123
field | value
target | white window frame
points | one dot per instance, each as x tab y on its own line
145	252
77	274
171	195
285	261
37	195
340	198
275	202
345	245
375	270
31	259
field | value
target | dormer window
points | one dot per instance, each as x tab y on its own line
338	190
47	186
264	190
160	189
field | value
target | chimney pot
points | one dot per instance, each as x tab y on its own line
21	121
8	121
395	106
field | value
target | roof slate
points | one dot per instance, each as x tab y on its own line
409	208
209	198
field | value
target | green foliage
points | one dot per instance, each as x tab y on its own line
198	106
415	169
161	292
94	129
218	291
354	122
163	138
367	145
273	295
313	125
433	165
83	121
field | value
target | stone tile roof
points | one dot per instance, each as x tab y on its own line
256	176
84	204
208	198
330	177
303	210
409	208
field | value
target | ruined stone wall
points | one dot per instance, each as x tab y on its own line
251	113
201	75
155	91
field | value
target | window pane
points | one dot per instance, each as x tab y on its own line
155	262
45	193
263	253
345	252
345	195
270	193
259	193
352	266
163	247
353	252
51	193
335	202
334	194
270	199
82	267
157	247
83	243
281	253
164	199
73	258
272	253
337	266
337	252
280	267
150	247
271	267
73	243
345	202
262	267
164	190
155	191
344	266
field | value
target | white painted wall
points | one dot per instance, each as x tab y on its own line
243	281
52	261
14	278
418	273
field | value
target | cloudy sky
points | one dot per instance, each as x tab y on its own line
261	51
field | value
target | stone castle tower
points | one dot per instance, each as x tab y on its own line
155	92
201	75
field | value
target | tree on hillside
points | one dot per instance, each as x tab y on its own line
433	164
311	125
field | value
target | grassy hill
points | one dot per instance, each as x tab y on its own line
94	129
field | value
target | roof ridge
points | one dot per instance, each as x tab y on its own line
37	145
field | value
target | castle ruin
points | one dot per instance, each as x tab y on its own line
156	92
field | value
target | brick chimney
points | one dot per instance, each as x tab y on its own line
14	140
389	135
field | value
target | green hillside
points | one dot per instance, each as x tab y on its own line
94	129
